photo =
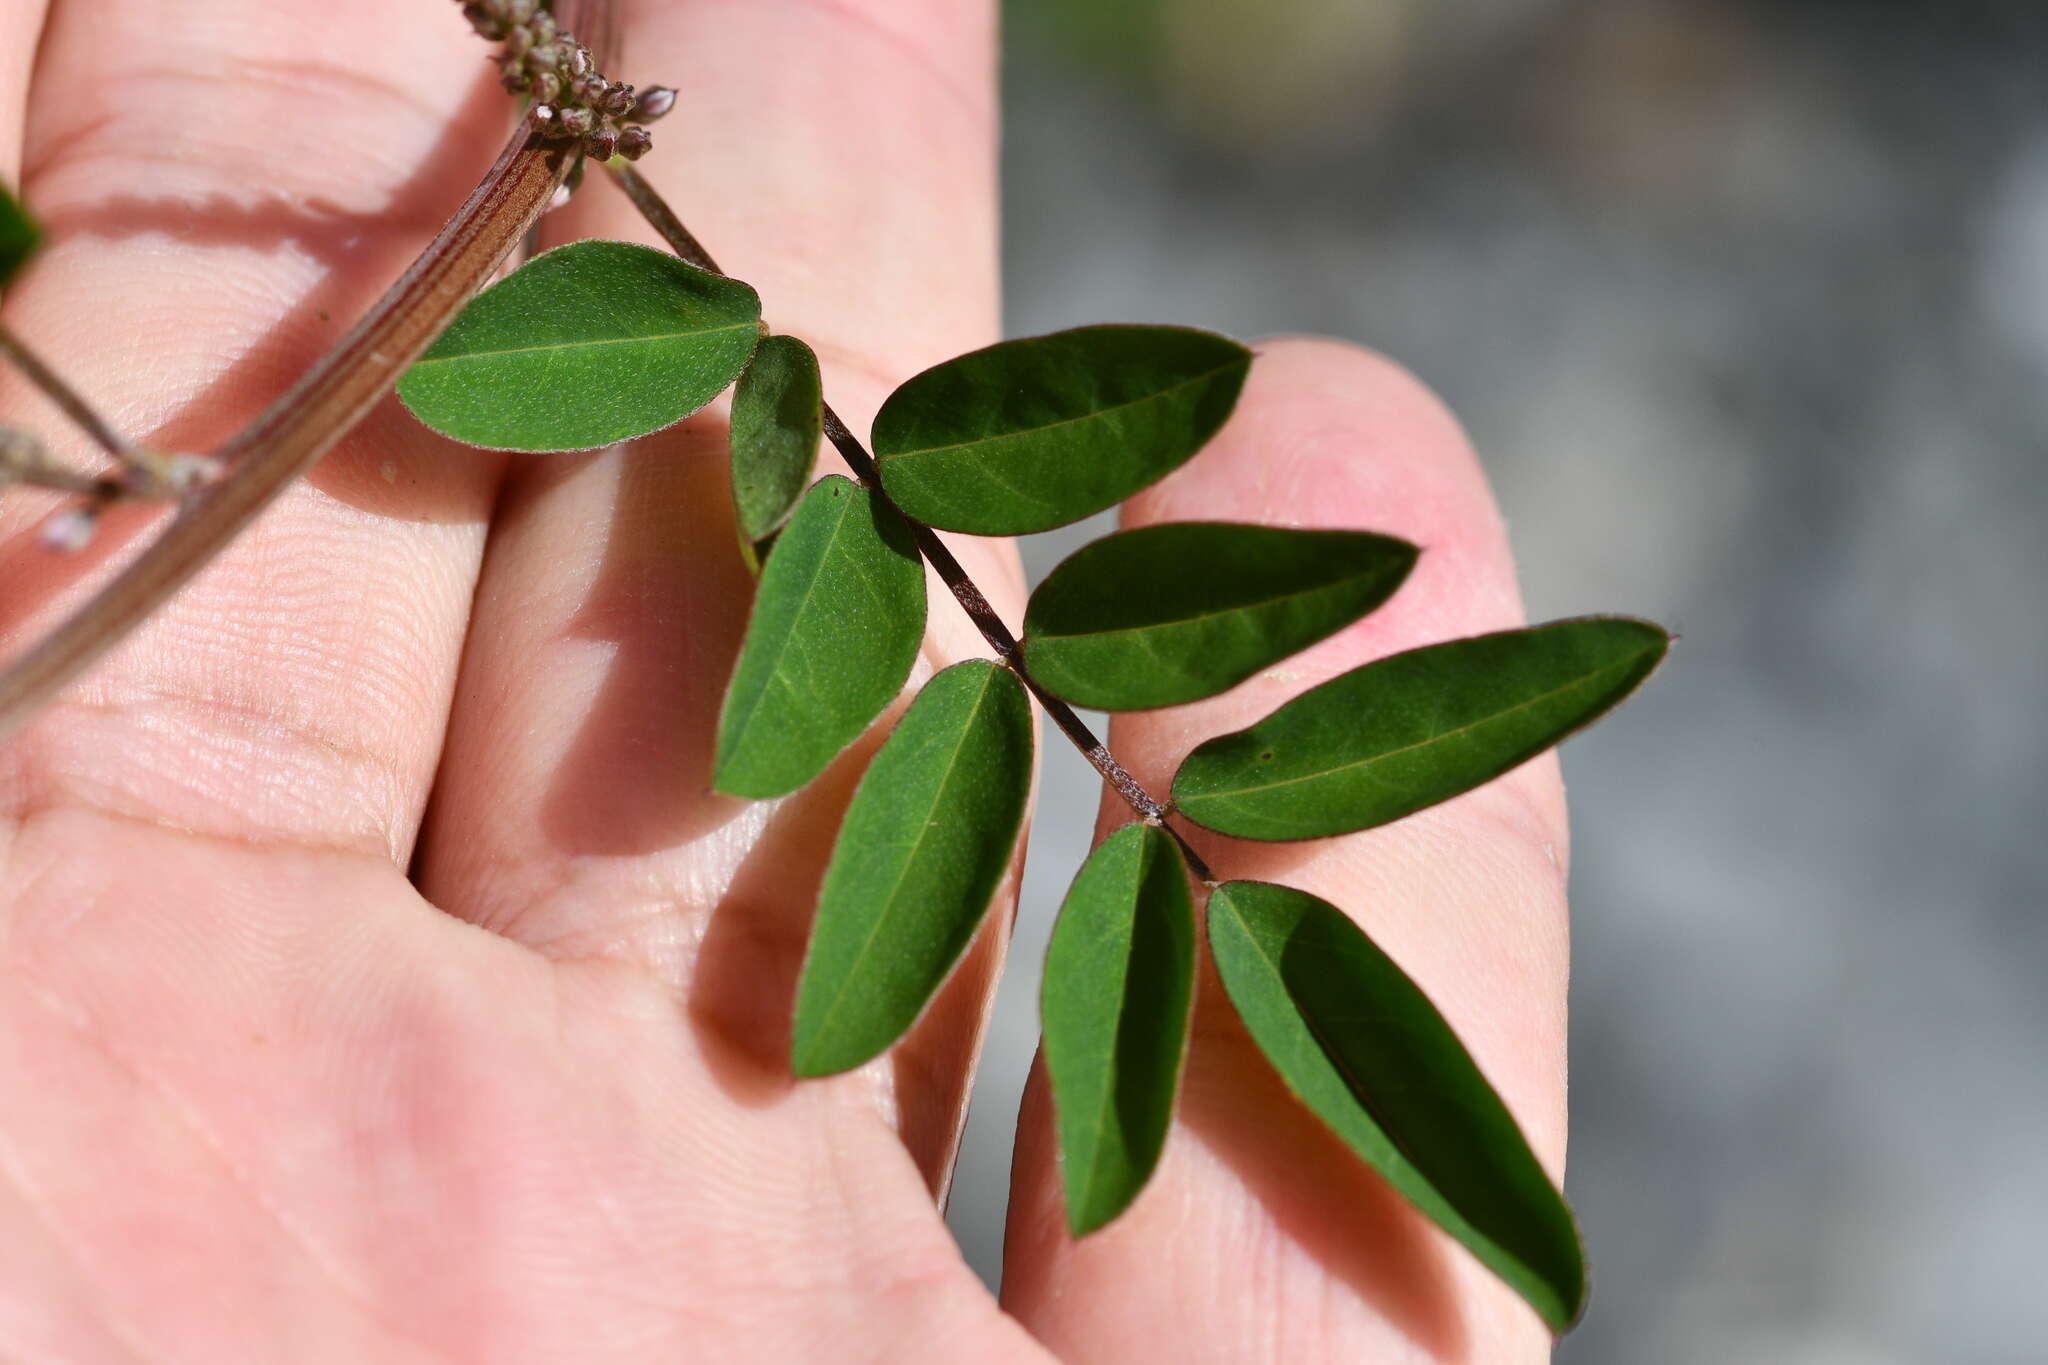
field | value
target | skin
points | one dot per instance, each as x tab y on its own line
378	980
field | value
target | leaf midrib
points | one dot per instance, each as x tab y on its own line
803	606
1111	1070
891	900
1438	738
1089	416
1354	1087
583	345
1197	618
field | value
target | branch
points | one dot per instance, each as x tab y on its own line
64	396
339	391
684	243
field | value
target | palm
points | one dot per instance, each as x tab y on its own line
268	1097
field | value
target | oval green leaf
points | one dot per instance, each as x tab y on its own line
1119	983
1174	613
1388	739
588	344
836	626
1360	1044
1028	435
924	844
18	236
777	421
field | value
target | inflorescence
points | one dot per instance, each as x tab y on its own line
572	100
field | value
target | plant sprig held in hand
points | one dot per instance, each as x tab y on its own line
598	342
1021	437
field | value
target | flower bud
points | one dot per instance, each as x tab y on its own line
520	11
587	89
546	57
600	145
580	64
71	529
654	101
183	473
575	122
543	26
618	100
547	87
517	41
486	24
635	143
513	76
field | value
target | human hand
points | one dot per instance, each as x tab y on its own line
378	979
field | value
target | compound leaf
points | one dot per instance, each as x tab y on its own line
836	625
1119	982
588	344
1360	1044
1177	612
777	421
924	844
1031	434
18	236
1388	739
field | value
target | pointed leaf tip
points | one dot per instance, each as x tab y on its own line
1364	1049
836	625
1177	612
1031	434
585	345
924	845
1383	741
1119	984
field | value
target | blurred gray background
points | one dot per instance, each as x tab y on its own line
1746	306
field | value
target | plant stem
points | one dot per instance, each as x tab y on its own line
64	396
319	410
684	243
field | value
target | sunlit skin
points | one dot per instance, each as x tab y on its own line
378	980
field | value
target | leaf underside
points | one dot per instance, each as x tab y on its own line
777	421
837	620
18	236
1393	737
1185	610
1360	1044
924	844
1031	434
585	345
1119	983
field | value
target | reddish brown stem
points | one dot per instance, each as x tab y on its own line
320	409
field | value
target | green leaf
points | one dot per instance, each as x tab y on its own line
1032	434
18	236
1388	739
1119	982
836	626
588	344
1364	1049
924	844
1178	612
777	420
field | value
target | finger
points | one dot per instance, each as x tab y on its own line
840	157
21	25
1261	1238
225	193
